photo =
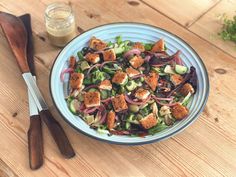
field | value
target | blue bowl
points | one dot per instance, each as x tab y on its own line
134	32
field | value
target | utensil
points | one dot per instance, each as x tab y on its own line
35	139
134	32
17	38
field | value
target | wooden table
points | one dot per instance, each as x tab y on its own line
206	148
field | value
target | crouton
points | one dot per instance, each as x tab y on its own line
76	80
119	103
152	80
109	55
179	111
132	72
159	46
72	62
136	61
97	44
138	45
92	57
92	99
111	120
119	77
149	121
176	79
106	85
186	89
142	94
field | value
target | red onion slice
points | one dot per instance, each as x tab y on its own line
158	100
104	116
132	52
67	70
138	76
160	55
106	100
177	59
147	58
82	107
90	110
136	102
103	119
162	99
106	62
160	61
90	69
166	104
91	86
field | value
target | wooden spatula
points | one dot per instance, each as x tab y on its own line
16	35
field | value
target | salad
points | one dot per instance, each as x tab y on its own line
129	88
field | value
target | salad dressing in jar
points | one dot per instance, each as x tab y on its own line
60	23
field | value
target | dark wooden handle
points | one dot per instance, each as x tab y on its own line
58	134
35	143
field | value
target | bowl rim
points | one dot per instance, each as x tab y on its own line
150	141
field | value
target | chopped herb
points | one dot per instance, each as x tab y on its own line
228	31
109	44
148	46
118	40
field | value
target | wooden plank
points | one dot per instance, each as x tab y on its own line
207	148
16	106
209	26
5	170
184	12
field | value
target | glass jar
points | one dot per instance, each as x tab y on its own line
60	23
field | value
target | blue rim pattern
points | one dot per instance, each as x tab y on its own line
134	32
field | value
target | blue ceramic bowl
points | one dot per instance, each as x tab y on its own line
133	32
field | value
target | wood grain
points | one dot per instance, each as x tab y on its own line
184	12
209	25
5	171
206	148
